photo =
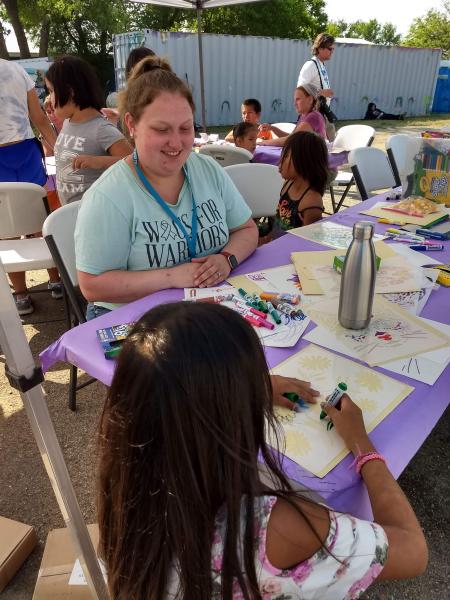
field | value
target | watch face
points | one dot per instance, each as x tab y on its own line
233	261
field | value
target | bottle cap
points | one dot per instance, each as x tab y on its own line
363	230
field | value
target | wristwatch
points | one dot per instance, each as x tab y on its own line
232	260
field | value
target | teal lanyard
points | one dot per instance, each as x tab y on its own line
190	239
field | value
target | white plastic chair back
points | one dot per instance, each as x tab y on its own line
260	185
227	155
373	168
61	226
398	145
22	209
286	127
350	137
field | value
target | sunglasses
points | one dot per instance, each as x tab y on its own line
330	48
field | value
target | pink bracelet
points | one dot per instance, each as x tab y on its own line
362	459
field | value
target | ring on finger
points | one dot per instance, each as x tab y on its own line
218	274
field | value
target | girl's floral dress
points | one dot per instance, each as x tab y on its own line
359	551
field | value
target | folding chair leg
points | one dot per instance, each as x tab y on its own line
333	201
73	388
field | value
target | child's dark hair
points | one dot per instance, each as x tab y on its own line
309	156
242	128
73	79
254	103
136	55
184	421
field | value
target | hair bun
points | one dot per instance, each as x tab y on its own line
149	64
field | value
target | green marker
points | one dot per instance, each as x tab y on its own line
273	313
334	398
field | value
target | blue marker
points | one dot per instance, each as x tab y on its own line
427	247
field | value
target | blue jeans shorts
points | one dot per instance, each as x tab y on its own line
93	311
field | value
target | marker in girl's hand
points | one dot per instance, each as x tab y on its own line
297	400
334	397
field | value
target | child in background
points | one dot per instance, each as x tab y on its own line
87	144
304	166
245	135
182	510
251	113
56	124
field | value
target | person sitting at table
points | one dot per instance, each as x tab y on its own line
251	113
310	119
245	135
165	217
182	509
304	166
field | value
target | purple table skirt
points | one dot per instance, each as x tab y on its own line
398	437
271	155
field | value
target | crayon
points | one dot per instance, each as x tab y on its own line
290	298
273	313
334	397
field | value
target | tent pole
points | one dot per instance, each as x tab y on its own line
200	60
27	378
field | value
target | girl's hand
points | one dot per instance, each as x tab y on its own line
212	270
85	161
112	114
349	422
282	385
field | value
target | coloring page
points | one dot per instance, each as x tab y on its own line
391	333
426	367
308	441
395	275
328	234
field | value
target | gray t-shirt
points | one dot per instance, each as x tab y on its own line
92	137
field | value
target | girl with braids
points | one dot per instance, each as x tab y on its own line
183	512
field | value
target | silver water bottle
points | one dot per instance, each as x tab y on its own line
358	279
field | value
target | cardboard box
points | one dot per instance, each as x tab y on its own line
56	566
17	540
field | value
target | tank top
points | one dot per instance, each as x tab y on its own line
287	215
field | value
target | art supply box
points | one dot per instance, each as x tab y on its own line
17	540
56	568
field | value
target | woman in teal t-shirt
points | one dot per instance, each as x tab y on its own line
163	217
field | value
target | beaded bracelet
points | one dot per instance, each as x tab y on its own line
362	459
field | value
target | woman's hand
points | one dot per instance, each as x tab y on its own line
183	276
264	127
212	270
349	423
282	385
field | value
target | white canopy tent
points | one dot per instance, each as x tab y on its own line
197	5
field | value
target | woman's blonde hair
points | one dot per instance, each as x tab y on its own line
149	78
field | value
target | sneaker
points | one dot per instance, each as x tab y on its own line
24	304
56	289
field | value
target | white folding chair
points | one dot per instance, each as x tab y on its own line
260	185
286	127
400	155
58	231
23	209
227	155
348	138
371	170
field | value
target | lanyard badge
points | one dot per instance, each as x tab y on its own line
190	239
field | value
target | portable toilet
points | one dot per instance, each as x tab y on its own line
441	102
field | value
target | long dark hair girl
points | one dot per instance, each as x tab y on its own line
184	421
309	156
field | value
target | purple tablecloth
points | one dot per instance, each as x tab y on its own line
398	437
271	156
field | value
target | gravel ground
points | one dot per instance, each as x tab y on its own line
26	494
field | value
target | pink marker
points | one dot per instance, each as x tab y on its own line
253	320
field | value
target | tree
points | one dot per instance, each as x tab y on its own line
12	11
3	49
372	31
431	30
277	18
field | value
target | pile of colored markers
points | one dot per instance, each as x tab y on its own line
416	240
256	308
